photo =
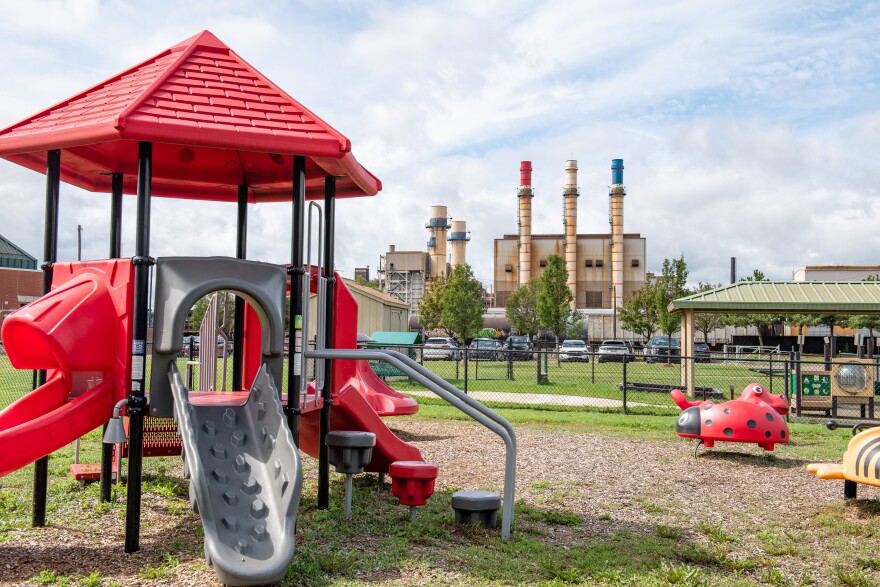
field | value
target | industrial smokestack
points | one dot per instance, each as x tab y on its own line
525	196
617	193
570	193
437	226
733	270
458	238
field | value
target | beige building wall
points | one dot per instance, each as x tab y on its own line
836	272
593	266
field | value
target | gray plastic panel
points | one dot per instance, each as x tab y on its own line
245	479
180	281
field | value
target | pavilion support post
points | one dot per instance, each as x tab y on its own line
324	428
295	364
238	324
687	350
137	400
50	255
115	253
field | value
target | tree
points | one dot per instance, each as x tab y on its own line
575	326
431	304
639	314
706	322
554	299
373	283
671	285
522	308
462	300
869	321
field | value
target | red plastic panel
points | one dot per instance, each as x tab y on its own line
83	324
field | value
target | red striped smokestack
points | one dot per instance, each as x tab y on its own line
570	195
525	222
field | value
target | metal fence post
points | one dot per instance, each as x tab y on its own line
797	384
593	367
771	373
538	367
465	360
624	383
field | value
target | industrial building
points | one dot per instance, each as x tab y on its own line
836	273
604	269
404	274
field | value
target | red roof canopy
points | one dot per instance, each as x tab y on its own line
215	123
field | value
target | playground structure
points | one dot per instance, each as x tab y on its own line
198	122
860	463
754	417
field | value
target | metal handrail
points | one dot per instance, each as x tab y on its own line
306	295
456	398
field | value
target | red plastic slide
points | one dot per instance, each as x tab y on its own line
361	397
82	325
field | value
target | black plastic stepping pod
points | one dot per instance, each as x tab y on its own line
350	453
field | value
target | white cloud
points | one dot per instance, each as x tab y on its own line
747	130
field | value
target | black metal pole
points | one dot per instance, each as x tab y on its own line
295	335
115	253
624	384
238	324
137	401
50	255
329	243
797	385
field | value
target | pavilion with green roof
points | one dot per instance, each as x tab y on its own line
772	297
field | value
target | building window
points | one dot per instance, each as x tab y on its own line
588	263
543	263
600	263
635	263
508	268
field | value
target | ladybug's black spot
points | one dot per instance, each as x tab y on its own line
708	423
767	434
769	416
782	434
726	410
707	406
728	432
752	424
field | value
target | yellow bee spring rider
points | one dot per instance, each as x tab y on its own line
861	461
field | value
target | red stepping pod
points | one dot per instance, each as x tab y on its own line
412	481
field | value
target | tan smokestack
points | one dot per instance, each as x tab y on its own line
570	193
617	193
525	196
458	238
437	226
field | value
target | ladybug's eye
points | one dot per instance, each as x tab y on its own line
759	390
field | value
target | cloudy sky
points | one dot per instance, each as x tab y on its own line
748	129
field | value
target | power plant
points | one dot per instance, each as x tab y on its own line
406	274
604	270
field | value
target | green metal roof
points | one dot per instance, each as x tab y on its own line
787	297
395	338
14	256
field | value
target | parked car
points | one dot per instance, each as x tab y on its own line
193	343
517	348
441	348
574	350
615	350
484	349
662	349
702	353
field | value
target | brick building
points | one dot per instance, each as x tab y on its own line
20	280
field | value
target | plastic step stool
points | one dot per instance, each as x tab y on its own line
350	452
412	482
474	506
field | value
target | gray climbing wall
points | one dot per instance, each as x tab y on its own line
245	480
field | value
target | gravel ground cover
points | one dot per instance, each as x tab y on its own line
733	516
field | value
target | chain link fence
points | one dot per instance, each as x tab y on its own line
817	388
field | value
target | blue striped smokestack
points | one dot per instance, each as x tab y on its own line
616	171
